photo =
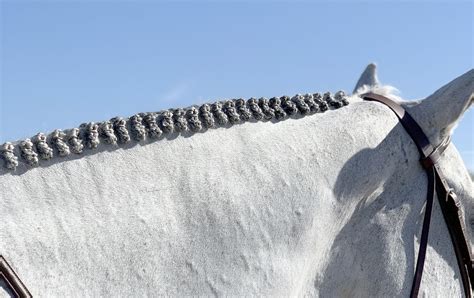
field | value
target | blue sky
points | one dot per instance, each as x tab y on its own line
63	64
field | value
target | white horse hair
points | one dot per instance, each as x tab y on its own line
326	205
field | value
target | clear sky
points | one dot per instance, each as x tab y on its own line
65	63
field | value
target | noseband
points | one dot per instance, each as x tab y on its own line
449	203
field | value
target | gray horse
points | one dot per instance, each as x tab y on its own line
314	195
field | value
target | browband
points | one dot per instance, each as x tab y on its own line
449	203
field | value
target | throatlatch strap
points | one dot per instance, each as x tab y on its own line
449	204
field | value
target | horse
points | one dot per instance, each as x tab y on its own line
305	196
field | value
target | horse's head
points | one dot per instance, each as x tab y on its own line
391	185
438	115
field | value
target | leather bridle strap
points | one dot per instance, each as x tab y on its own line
450	205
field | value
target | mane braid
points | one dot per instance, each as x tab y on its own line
143	126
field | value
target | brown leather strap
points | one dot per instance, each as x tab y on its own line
449	204
414	130
12	280
425	231
454	218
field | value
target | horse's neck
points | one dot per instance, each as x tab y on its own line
263	207
254	192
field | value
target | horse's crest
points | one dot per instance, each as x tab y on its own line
154	126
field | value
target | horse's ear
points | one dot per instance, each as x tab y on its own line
368	78
439	113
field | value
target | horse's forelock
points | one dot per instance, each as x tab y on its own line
385	90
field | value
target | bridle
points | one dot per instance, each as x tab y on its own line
449	203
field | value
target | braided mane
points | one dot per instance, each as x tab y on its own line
157	125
